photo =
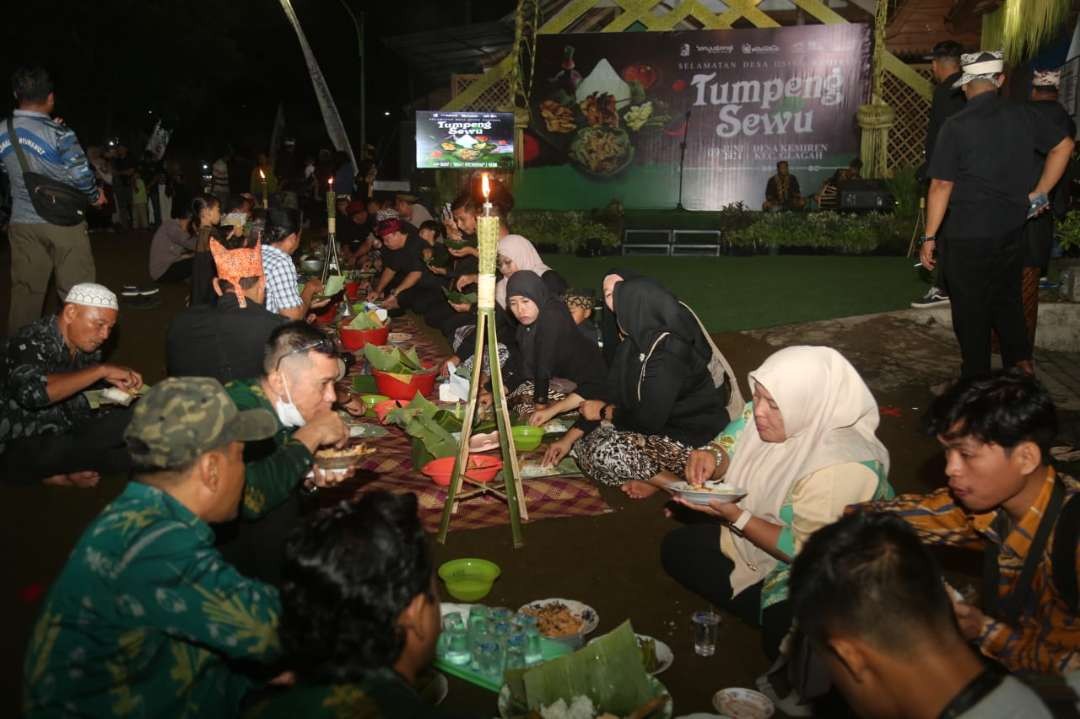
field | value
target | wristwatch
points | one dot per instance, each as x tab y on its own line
924	239
743	519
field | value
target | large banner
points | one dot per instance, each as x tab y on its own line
610	111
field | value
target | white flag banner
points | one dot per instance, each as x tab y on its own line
334	127
159	140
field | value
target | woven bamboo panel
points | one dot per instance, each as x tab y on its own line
458	83
908	135
497	96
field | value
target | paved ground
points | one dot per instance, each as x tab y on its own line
611	562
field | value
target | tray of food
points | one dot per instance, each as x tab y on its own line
329	458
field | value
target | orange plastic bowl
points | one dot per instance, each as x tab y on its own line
354	340
396	389
481	468
384	408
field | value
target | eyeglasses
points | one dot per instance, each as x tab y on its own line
324	346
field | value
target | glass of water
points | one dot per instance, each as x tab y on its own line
489	658
515	652
455	640
706	628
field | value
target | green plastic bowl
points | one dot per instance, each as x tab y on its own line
469	580
370	400
527	438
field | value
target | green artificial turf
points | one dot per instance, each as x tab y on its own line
738	293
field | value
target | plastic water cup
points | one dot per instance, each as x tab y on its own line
456	647
489	658
478	626
501	630
453	620
534	652
501	614
706	629
515	652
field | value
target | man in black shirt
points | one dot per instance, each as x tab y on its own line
406	280
981	173
225	341
782	190
948	100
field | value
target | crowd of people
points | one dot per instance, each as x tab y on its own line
210	586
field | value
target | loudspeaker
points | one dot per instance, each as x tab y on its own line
865	196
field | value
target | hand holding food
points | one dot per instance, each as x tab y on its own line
555	452
122	377
700	467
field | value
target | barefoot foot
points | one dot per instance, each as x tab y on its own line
83	480
636	489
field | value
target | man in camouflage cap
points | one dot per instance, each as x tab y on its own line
146	617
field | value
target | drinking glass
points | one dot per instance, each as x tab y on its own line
456	646
478	625
515	652
534	652
501	614
706	628
489	659
501	630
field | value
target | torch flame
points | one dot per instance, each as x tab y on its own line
485	185
262	175
331	183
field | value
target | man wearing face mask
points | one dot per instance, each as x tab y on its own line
300	367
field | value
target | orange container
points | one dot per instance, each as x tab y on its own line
354	340
394	388
481	468
384	408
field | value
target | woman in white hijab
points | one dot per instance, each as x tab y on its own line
517	254
803	450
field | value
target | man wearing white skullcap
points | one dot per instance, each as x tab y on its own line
984	172
48	430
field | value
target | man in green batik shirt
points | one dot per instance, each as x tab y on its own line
146	617
300	367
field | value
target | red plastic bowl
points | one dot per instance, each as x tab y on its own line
352	290
384	408
327	314
396	389
356	339
481	468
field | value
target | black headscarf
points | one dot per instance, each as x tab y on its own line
609	330
645	310
552	346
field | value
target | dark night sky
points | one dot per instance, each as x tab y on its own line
217	69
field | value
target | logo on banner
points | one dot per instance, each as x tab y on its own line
684	51
749	49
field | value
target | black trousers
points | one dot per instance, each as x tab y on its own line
95	445
691	556
177	272
256	547
984	277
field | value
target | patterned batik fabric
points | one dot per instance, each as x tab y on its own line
382	695
520	401
146	619
29	357
1046	638
612	457
282	282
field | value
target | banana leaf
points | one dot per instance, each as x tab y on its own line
609	671
425	422
460	298
393	360
365	321
334	284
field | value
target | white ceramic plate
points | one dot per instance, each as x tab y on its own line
669	708
664	656
739	703
588	615
713	490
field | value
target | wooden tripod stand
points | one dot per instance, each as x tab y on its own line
515	495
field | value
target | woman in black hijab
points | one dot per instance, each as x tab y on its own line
663	400
549	347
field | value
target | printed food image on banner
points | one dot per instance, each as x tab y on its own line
464	139
609	112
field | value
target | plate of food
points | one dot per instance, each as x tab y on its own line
707	492
562	618
601	150
582	707
739	703
329	458
98	398
655	654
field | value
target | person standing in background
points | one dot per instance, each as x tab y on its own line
219	184
948	100
123	186
140	219
38	247
981	193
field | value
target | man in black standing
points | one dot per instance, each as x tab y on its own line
981	174
948	100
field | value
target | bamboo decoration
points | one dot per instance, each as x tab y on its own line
487	231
